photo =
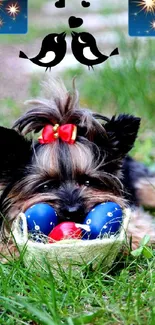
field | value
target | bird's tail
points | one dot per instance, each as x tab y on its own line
114	52
22	55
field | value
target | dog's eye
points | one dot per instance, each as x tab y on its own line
87	183
53	184
45	186
91	182
83	180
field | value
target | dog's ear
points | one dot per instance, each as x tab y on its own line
15	152
121	133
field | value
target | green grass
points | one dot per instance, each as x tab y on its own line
125	295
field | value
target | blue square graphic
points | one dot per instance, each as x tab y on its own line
142	18
13	16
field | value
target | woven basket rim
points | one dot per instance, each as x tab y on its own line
21	236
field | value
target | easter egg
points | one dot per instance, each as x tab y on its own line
41	217
103	218
65	230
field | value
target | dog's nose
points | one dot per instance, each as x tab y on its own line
72	213
72	209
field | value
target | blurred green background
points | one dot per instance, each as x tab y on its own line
124	83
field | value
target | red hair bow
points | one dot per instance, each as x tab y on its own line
66	133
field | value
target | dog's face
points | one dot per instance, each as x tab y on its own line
72	178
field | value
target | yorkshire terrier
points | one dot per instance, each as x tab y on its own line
79	160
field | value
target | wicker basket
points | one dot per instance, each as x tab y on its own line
69	252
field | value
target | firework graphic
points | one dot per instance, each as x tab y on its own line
13	16
142	18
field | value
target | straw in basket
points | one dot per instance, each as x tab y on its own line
69	252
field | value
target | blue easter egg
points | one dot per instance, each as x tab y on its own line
104	218
41	218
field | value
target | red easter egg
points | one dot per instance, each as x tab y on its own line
65	230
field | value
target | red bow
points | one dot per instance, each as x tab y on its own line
66	132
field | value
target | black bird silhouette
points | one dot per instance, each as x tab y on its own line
52	51
85	49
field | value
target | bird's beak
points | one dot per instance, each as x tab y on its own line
63	35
